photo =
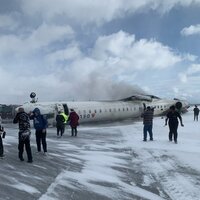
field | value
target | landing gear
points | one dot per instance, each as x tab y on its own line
33	97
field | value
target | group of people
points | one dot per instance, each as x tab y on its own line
62	119
40	124
171	119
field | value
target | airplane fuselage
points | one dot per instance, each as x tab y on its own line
91	111
95	111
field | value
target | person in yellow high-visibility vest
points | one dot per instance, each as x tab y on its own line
66	118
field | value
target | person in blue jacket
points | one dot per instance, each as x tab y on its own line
40	125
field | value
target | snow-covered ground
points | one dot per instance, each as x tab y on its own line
106	162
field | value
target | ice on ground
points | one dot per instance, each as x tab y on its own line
106	162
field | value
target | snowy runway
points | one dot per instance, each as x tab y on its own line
106	162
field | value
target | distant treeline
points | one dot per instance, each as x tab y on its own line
7	111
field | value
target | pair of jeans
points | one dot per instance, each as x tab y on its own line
41	138
148	128
196	117
173	131
60	130
21	145
74	131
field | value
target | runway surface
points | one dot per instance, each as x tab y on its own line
106	162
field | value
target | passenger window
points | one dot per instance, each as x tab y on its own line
89	111
110	110
100	111
95	111
119	109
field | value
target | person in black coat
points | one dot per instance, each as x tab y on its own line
172	119
60	124
2	135
196	113
22	119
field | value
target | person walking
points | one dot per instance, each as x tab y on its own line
2	135
40	125
0	119
147	116
60	124
172	120
196	113
73	122
65	118
22	119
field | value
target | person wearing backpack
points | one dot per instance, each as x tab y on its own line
22	119
40	125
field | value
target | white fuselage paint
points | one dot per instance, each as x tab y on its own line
94	111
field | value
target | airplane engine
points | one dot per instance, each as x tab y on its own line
32	95
178	105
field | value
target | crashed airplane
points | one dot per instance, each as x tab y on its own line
98	111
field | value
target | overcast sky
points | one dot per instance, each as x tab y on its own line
99	49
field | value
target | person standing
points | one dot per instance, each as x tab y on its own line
73	122
172	119
0	119
65	118
60	124
40	125
196	113
148	123
22	119
2	135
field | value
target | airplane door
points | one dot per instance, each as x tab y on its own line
141	108
66	109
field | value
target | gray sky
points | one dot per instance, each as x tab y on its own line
92	49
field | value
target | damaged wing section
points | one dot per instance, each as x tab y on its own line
141	97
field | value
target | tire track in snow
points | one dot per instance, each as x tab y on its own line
177	182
